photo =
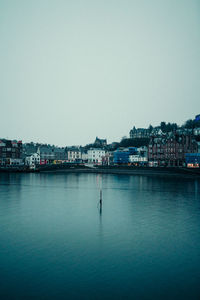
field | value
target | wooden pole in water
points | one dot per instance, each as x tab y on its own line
100	202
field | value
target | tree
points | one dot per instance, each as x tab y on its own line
150	128
137	142
189	124
163	126
124	138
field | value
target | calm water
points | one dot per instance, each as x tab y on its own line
55	243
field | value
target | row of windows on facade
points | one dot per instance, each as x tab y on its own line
164	156
165	145
167	150
10	149
98	152
4	155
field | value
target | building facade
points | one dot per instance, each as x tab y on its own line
10	152
139	133
121	156
60	154
192	160
33	160
100	142
74	154
46	154
170	150
140	158
95	155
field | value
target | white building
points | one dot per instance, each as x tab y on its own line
84	156
74	154
16	161
137	159
141	157
32	160
95	155
108	158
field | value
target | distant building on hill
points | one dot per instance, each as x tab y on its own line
156	131
139	133
100	142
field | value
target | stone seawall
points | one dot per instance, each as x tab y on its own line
131	171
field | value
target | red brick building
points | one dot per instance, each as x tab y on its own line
170	150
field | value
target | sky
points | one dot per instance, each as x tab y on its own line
74	70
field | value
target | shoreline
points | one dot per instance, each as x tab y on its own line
146	171
119	170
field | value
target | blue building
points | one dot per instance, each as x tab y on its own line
197	118
122	156
192	160
132	150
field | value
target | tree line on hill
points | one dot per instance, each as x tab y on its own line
168	127
139	142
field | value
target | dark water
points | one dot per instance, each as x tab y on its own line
55	244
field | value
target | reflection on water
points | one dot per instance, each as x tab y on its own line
57	241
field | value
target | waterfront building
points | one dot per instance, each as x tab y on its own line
29	149
121	156
73	154
192	160
107	160
170	150
95	155
10	152
60	154
47	155
84	156
32	160
140	158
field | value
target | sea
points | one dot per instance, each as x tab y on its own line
58	242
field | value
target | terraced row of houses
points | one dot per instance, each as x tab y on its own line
178	148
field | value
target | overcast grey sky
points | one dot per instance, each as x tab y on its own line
74	70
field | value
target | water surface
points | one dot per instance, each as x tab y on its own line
55	243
